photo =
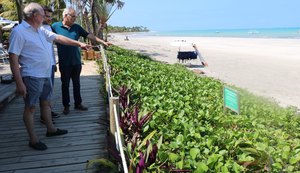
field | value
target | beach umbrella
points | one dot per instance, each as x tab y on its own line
7	24
4	21
8	27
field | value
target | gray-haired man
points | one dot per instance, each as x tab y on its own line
30	62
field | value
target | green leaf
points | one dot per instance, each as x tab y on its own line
159	142
179	139
209	142
295	159
180	164
147	138
173	157
162	156
290	169
201	168
223	152
236	168
251	151
212	159
173	145
149	149
206	151
146	128
194	152
224	169
182	154
286	152
277	166
197	135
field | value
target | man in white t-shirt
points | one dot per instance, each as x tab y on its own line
30	63
46	25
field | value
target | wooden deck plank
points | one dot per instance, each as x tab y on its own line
86	139
78	168
50	163
53	142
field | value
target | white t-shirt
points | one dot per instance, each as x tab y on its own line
53	60
32	48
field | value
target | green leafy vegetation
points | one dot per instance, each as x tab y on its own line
197	134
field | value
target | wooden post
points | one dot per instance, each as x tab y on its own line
112	121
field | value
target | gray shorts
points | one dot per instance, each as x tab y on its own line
37	89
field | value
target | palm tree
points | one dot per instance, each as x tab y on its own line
103	10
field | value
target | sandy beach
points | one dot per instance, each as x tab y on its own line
265	67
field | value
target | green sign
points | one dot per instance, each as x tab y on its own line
231	99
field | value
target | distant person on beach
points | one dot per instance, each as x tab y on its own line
46	25
70	64
30	63
126	38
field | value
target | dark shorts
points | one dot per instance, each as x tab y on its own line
37	89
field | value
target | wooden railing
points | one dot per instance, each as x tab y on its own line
114	112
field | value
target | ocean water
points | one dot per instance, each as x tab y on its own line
242	33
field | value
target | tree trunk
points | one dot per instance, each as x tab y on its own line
86	21
19	4
101	27
106	33
93	16
100	32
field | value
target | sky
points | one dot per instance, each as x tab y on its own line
160	15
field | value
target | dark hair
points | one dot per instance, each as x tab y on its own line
47	9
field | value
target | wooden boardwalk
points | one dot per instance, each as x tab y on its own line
86	139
